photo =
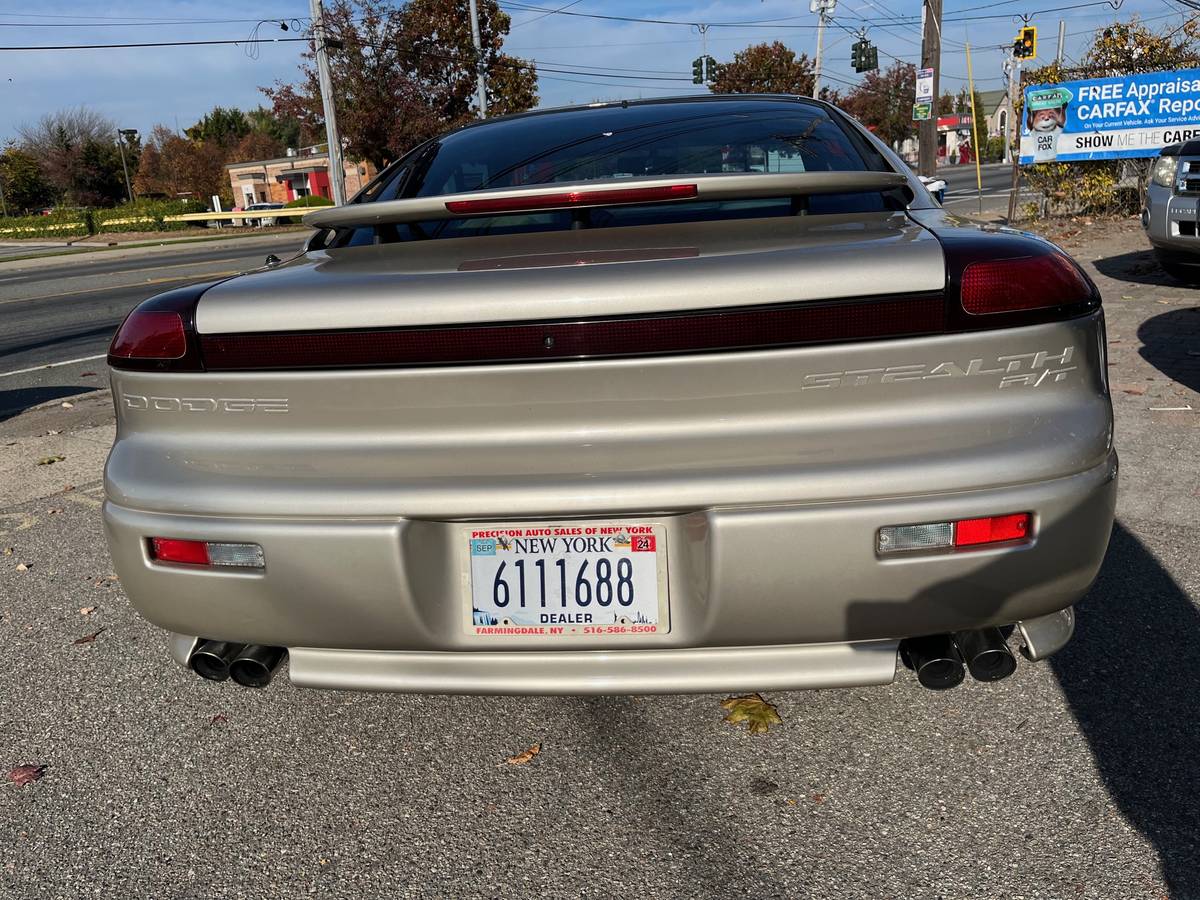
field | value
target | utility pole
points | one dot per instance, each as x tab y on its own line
931	58
122	133
1062	36
480	78
337	170
824	10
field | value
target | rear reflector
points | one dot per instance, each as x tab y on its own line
207	553
962	533
992	530
150	334
1031	282
568	199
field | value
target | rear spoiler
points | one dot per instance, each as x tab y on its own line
606	192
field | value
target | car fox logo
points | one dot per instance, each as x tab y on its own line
206	404
1015	370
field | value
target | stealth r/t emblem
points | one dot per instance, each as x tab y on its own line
1015	370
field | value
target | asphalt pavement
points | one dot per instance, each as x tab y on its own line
58	314
962	194
1073	778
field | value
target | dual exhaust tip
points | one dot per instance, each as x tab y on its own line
250	665
941	660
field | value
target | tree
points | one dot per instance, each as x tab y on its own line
764	69
403	74
77	152
1126	48
223	126
174	166
883	102
22	182
286	132
945	106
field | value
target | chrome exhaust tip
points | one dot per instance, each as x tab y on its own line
936	660
212	659
256	665
986	653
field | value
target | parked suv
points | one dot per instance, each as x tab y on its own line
1172	214
702	394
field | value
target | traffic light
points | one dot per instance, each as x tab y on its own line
1025	46
863	56
698	70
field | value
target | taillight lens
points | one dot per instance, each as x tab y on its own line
1032	282
207	553
150	334
931	536
568	199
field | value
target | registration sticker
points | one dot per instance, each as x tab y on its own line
566	579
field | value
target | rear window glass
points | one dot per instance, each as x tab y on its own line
634	141
640	141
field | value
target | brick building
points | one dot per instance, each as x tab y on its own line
290	177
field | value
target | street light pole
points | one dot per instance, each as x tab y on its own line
337	170
480	78
121	133
824	10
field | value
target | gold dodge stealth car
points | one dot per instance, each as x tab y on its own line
703	394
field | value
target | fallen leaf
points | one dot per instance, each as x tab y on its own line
524	756
68	405
1136	391
8	551
21	567
217	720
86	610
818	798
68	487
50	460
27	774
757	713
53	432
87	374
54	510
88	638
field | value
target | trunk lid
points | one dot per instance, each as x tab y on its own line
582	273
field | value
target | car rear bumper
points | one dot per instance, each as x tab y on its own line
783	596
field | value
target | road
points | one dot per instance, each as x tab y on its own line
961	193
58	315
1073	778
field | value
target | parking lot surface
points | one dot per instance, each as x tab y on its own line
1077	777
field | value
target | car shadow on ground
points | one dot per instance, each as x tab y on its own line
1131	676
15	402
1171	343
1137	267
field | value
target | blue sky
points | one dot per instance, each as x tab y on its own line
138	88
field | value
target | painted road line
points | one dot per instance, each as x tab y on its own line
53	365
199	276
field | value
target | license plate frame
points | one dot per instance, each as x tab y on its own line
614	540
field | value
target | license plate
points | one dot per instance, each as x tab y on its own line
581	579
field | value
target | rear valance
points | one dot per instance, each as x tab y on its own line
605	192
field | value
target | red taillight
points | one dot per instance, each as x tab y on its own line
150	334
567	199
992	530
172	550
1031	282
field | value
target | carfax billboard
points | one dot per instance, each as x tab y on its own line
1106	118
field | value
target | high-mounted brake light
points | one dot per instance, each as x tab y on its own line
150	334
206	553
568	199
961	533
1031	282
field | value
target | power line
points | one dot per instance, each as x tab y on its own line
154	44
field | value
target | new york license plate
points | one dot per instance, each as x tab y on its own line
591	578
